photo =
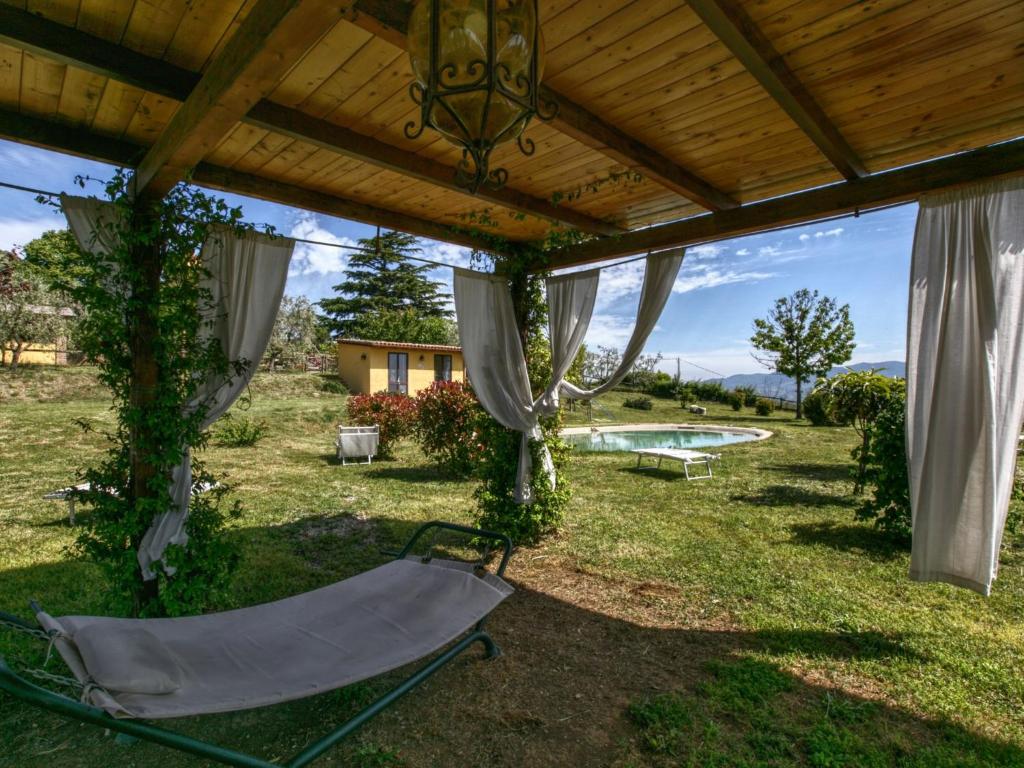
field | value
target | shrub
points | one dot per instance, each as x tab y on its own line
817	407
394	415
857	398
241	432
639	403
686	394
333	385
889	505
736	400
710	391
497	509
749	395
663	385
447	426
1015	517
763	406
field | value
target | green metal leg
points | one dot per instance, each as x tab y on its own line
313	751
130	730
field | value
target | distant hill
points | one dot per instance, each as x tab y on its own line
777	385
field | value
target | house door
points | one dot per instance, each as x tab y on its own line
398	372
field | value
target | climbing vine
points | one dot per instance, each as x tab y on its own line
152	423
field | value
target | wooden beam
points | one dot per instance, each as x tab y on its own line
731	24
901	185
70	139
79	49
272	37
228	180
390	20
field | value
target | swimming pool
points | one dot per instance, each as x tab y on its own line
633	436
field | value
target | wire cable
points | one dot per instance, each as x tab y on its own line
376	250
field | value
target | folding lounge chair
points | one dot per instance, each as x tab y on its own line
131	670
687	457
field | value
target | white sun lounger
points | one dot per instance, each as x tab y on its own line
68	495
687	457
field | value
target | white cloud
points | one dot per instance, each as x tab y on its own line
708	251
827	233
769	251
311	259
446	253
743	252
712	278
804	237
619	282
20	231
608	331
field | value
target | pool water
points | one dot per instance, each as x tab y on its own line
661	438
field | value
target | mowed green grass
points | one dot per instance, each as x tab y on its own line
766	626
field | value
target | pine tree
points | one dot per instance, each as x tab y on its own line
382	279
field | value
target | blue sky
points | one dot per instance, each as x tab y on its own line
721	287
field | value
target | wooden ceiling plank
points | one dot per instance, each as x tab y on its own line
41	83
849	196
355	145
10	76
168	80
80	95
742	36
274	35
104	19
390	20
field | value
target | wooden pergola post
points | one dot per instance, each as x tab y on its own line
144	339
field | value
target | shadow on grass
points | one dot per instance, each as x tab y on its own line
789	495
861	539
579	685
411	474
658	473
826	473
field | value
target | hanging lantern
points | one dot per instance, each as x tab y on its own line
478	65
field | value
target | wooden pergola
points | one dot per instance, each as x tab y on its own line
679	122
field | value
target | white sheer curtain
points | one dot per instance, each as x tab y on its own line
965	379
494	354
246	282
659	279
497	366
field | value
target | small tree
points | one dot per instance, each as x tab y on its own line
804	336
30	313
296	329
858	398
405	325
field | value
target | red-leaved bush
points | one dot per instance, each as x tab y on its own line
448	426
394	415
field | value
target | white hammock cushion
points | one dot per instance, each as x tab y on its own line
289	649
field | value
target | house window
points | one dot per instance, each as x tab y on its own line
398	372
442	367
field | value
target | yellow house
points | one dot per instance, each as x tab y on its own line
388	366
37	354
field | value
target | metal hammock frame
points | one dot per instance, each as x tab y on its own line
17	686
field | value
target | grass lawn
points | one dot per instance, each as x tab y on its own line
743	621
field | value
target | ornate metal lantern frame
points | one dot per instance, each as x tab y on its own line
489	77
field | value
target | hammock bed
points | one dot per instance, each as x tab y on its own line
356	629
